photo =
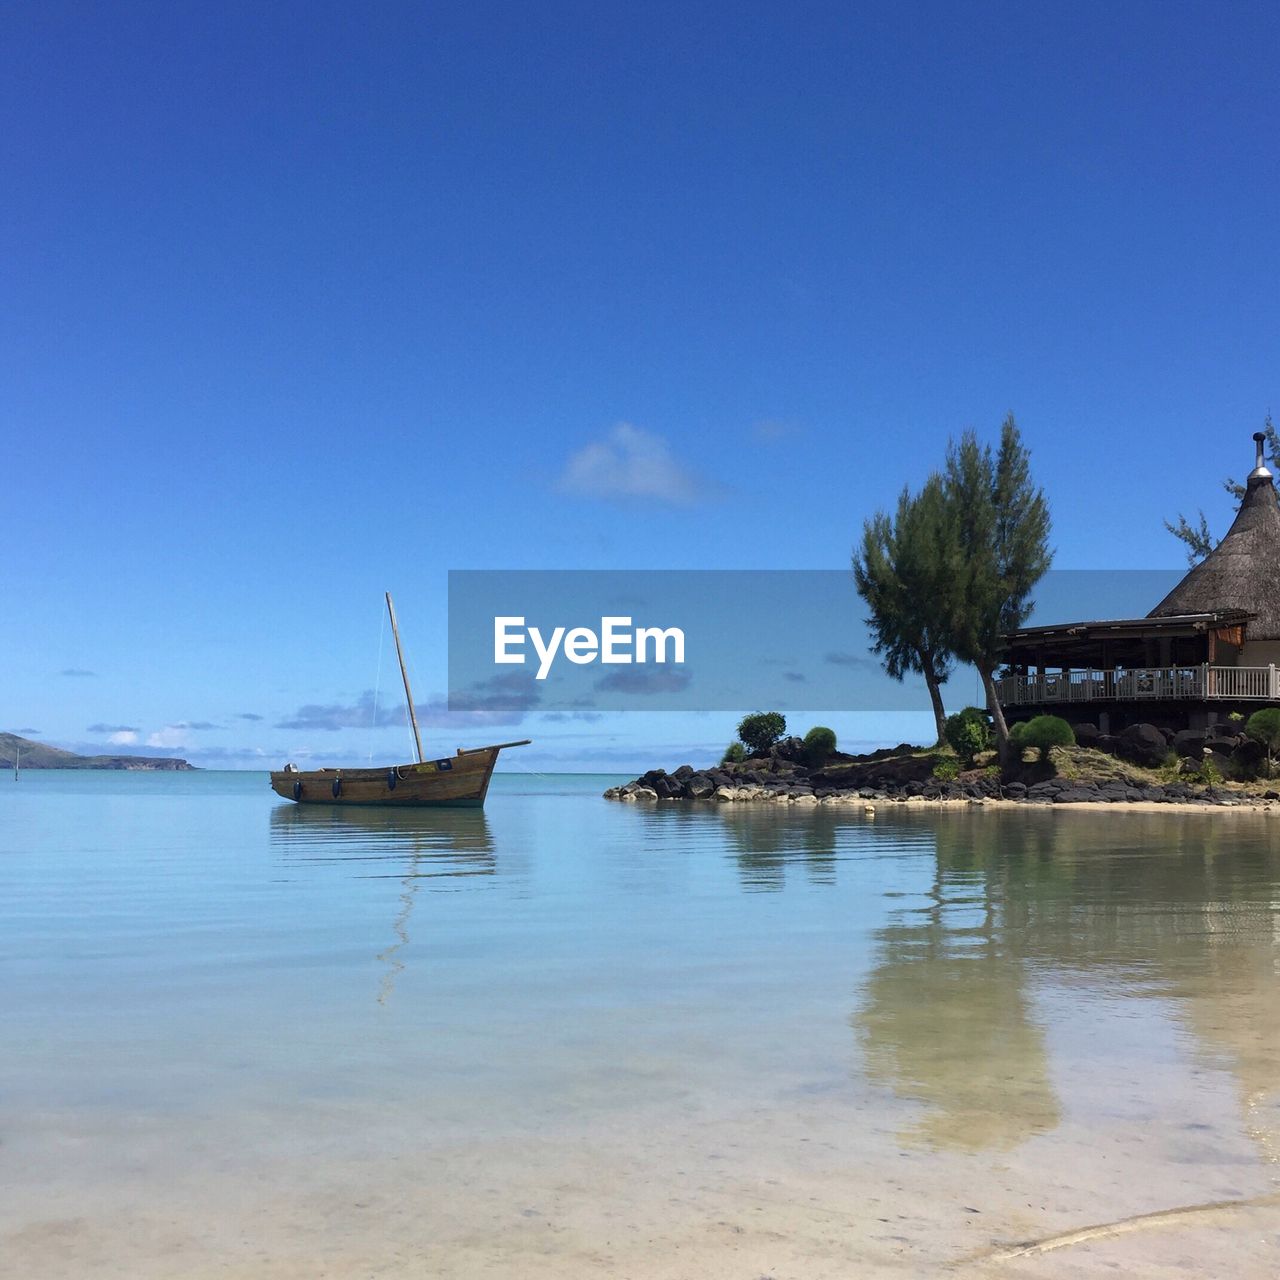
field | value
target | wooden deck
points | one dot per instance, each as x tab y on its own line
1145	684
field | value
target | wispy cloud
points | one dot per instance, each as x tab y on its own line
644	680
333	716
28	730
113	728
123	737
501	700
841	659
632	464
171	737
248	715
76	671
200	726
564	717
796	677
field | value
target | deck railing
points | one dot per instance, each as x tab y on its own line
1142	684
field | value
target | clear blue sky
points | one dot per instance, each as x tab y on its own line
307	301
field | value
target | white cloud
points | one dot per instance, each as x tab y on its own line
123	737
631	463
172	735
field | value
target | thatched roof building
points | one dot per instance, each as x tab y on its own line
1210	647
1243	571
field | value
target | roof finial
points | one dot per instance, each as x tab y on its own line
1259	471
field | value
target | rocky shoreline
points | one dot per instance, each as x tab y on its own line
905	774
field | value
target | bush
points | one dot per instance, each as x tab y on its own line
1264	727
946	768
967	732
1044	732
734	753
760	731
819	743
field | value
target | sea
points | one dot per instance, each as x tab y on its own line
568	1037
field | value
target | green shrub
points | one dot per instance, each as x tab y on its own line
1236	717
1044	732
819	743
946	768
734	753
1264	727
760	731
1206	772
967	732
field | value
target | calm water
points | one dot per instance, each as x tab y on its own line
572	1037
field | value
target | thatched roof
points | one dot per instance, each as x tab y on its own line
1243	571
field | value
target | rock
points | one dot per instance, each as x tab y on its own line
1086	734
1077	795
1016	790
1189	743
700	787
644	793
1144	744
684	771
1107	743
726	793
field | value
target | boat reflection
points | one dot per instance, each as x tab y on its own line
413	846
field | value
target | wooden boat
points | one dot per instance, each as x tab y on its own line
457	781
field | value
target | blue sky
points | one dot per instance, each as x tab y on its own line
308	301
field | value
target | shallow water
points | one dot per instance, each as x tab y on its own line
572	1037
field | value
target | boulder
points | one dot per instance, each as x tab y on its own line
1077	795
1189	743
684	771
1086	734
1144	744
700	787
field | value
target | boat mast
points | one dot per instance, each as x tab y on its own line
404	673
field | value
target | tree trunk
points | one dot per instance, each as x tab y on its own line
997	716
934	685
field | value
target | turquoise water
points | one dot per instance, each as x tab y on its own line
564	1035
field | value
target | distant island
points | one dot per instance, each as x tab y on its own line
36	755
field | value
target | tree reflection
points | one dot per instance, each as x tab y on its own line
1175	906
946	1019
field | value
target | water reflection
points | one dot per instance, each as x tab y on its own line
411	845
1146	906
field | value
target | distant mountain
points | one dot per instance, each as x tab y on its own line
35	755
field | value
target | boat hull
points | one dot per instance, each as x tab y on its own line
460	781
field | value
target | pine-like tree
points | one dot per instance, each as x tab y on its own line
1000	521
903	571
